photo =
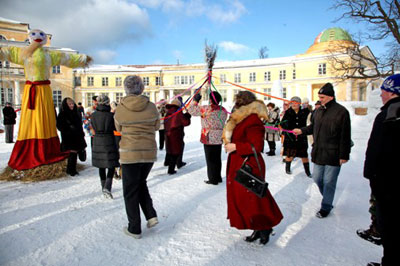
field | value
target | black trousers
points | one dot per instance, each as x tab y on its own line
106	180
161	139
136	194
272	145
9	130
214	164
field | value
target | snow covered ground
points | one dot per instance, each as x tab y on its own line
68	222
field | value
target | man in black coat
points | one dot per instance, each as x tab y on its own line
381	167
9	122
331	130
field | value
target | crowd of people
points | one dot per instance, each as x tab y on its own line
124	136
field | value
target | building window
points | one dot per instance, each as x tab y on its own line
77	81
118	82
267	76
1	64
238	78
223	95
146	81
252	77
284	93
90	81
282	74
362	92
267	91
56	69
158	81
147	94
184	80
104	81
294	73
322	69
57	98
119	96
2	97
222	78
191	79
89	99
104	94
176	80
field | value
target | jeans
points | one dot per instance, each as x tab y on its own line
325	176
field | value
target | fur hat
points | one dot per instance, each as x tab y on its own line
103	100
133	85
176	102
327	89
296	99
392	84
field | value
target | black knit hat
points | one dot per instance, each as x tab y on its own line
327	89
217	96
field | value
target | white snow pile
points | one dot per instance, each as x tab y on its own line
68	222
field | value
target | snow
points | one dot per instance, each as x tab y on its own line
68	222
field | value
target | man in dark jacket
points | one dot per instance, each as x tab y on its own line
9	122
381	167
332	137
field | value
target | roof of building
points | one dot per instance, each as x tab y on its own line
11	21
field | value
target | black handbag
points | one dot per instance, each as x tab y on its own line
251	182
82	155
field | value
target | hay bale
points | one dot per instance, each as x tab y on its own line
40	173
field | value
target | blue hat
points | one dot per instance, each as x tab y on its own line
392	84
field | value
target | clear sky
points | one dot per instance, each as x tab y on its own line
164	31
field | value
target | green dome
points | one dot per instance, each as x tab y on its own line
333	34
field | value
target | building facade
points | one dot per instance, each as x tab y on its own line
298	75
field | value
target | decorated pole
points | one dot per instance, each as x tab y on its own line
210	53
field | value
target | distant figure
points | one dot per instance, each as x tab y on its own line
174	135
9	117
272	135
104	151
69	123
86	120
137	119
81	109
213	118
161	132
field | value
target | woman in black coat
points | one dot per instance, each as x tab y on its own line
295	146
104	151
69	123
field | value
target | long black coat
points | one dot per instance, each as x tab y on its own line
104	151
381	158
331	130
9	115
69	122
174	130
290	121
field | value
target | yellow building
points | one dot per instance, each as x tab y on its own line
299	75
12	78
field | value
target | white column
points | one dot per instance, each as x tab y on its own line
112	96
229	95
171	94
161	95
369	89
153	96
84	103
310	93
17	93
348	90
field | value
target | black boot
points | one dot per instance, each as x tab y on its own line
71	165
253	237
288	168
103	182
307	169
271	153
264	236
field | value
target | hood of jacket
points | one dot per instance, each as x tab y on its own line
135	103
257	107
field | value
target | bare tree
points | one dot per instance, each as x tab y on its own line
382	18
263	52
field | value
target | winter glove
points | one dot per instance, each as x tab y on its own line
197	97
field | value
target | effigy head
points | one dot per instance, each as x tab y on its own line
38	36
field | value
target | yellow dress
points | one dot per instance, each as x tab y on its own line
38	143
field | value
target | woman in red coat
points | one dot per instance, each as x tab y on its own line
174	134
244	129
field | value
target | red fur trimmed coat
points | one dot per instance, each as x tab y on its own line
245	209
